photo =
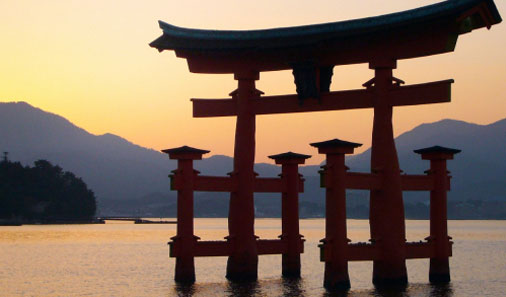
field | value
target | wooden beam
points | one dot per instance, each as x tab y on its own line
362	252
271	246
203	108
433	92
268	185
273	185
427	93
213	183
417	182
420	182
355	252
419	250
224	248
212	248
226	184
339	100
362	181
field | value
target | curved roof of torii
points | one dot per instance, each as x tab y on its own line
413	33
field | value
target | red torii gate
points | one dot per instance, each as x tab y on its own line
312	52
336	250
185	245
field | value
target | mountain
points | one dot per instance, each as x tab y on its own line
122	175
111	166
479	171
130	179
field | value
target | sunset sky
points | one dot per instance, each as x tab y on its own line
89	61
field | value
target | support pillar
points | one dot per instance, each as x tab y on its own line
242	264
290	211
336	240
184	241
439	271
386	205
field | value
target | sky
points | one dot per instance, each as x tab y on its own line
89	61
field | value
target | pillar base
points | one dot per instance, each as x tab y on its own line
391	273
290	266
185	270
439	271
390	282
336	276
341	285
439	278
242	268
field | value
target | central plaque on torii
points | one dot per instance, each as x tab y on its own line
311	52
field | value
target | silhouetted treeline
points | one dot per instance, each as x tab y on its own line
43	192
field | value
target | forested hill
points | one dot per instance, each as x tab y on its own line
43	192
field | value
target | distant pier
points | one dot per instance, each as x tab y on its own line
98	220
137	220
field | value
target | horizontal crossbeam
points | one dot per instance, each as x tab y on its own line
213	183
362	181
433	92
419	250
417	182
226	184
212	248
224	248
271	246
371	181
369	252
362	252
268	185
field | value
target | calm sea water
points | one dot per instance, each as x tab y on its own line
132	260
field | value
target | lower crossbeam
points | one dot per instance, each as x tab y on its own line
224	248
370	252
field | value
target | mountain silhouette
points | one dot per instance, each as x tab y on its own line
113	167
479	171
119	171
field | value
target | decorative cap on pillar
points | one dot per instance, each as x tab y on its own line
290	158
185	152
335	146
437	152
236	91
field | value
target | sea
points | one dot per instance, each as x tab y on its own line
126	259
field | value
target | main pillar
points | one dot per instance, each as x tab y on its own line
336	240
439	271
243	262
386	204
184	241
290	211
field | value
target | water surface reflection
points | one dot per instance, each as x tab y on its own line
411	290
184	290
298	288
293	287
252	289
441	290
131	260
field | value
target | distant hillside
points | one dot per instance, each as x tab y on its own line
113	167
128	178
479	171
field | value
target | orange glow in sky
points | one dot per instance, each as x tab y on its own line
89	61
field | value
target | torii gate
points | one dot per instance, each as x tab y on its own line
312	52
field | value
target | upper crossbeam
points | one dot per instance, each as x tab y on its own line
433	92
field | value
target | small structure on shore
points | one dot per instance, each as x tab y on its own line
311	52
